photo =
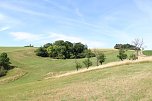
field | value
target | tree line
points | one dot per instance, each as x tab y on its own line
63	50
126	46
99	55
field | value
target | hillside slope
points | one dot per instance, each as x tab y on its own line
128	82
37	67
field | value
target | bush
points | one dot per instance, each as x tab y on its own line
5	61
4	64
41	52
78	65
2	72
101	58
87	63
122	54
133	57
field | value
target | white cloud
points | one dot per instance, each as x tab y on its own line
4	28
25	36
41	39
22	9
56	36
90	43
8	22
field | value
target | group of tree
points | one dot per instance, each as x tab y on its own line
4	64
122	55
126	46
63	50
29	46
137	46
100	58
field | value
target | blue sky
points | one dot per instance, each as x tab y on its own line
97	23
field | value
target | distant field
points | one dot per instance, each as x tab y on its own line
147	52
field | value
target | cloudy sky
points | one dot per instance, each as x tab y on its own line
97	23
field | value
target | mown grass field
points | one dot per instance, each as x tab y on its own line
121	83
147	52
37	67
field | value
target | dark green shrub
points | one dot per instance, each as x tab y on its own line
87	63
101	58
41	52
2	71
78	65
5	61
122	54
133	57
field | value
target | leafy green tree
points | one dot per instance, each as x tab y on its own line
88	53
78	65
78	49
69	50
52	51
96	52
101	58
63	50
5	61
47	45
41	52
87	63
4	64
59	43
122	54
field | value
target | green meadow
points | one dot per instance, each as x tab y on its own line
131	82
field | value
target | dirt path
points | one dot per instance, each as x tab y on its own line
111	64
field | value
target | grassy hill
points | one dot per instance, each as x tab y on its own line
121	83
147	52
37	67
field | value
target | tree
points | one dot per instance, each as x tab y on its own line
52	51
41	52
125	46
78	50
138	44
63	50
78	65
47	45
101	58
122	54
4	64
5	61
87	63
88	55
96	52
133	57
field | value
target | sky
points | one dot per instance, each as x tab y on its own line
97	23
